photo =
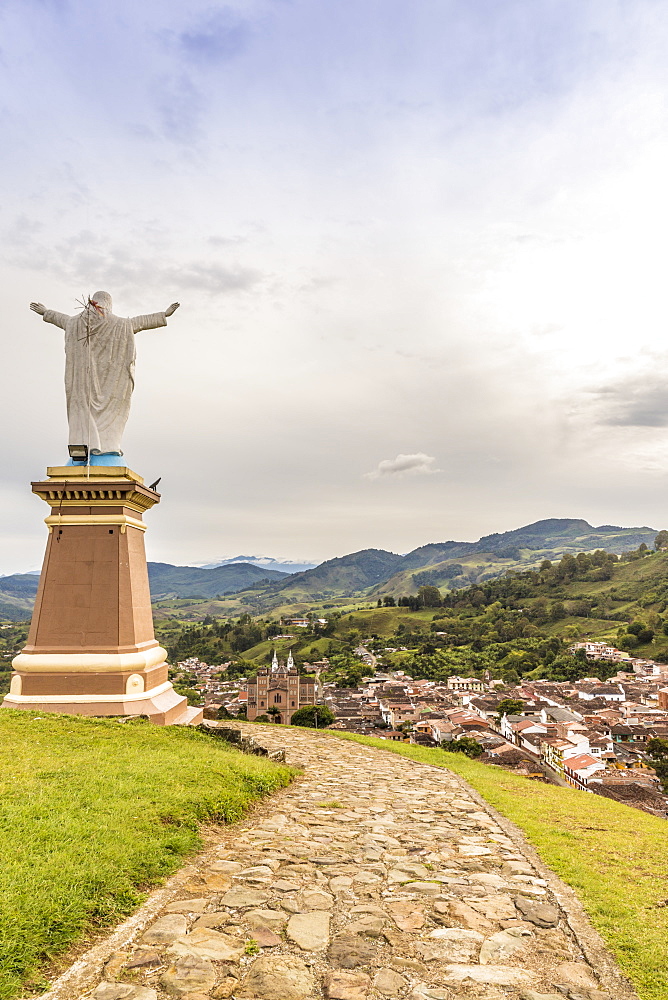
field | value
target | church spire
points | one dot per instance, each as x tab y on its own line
291	662
274	663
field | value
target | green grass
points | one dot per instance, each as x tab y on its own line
384	621
93	812
613	856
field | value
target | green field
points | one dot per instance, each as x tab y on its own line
613	856
93	813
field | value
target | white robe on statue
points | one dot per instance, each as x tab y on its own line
99	371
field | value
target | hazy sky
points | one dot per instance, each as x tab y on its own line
419	247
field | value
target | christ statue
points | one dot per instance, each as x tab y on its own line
99	370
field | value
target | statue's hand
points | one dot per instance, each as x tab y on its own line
172	309
37	307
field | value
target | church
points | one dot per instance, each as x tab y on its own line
278	692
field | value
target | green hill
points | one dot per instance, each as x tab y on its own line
184	581
347	575
517	626
453	565
522	623
17	596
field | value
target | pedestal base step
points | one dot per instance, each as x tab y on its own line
191	717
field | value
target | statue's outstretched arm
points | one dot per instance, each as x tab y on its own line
153	320
50	315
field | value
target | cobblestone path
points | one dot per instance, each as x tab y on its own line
370	878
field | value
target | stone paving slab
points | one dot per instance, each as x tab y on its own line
370	878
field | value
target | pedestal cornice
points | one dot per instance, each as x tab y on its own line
68	486
120	520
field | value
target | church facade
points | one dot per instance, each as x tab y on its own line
279	692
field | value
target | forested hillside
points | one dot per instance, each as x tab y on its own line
518	625
185	581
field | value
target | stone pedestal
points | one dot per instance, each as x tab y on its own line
92	649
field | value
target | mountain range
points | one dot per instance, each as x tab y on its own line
375	573
264	562
370	573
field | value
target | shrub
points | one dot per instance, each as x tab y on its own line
313	716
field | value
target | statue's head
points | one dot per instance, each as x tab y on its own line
102	302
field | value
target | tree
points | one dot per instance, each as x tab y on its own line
661	540
389	601
510	706
353	677
657	747
661	768
466	745
313	716
273	712
194	697
642	631
430	597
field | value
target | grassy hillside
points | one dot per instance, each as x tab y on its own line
17	595
613	856
533	605
93	810
455	565
347	575
521	624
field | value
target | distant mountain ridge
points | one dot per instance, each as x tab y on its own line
460	564
370	573
264	562
185	581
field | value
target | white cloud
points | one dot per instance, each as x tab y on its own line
417	464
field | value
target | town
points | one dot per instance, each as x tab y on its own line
591	735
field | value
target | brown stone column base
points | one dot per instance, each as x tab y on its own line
162	705
99	685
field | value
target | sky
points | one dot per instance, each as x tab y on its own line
419	247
